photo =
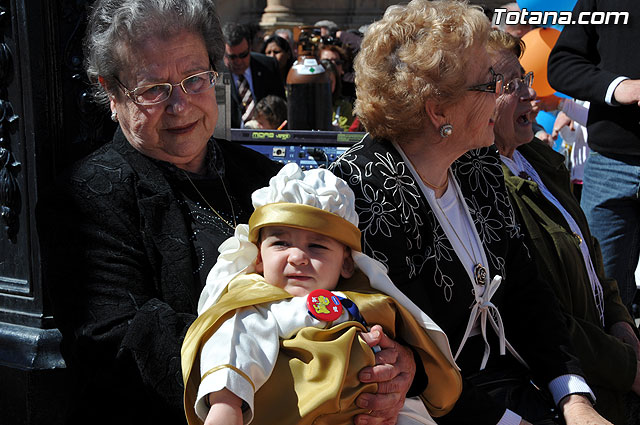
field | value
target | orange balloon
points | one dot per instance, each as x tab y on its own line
539	43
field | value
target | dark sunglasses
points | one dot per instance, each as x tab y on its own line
495	86
238	56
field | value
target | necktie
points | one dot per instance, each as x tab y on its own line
246	97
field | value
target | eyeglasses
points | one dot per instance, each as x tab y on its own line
518	84
238	56
157	93
495	86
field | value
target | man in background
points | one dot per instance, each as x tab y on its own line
598	63
254	75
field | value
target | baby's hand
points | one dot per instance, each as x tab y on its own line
226	408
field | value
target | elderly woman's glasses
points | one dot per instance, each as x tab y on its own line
495	86
518	84
157	93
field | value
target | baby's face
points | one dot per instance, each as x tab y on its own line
300	261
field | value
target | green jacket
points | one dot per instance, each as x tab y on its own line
609	364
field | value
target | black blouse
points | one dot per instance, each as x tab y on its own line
211	209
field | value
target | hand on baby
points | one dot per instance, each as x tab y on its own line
394	371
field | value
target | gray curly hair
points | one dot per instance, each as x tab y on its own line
114	24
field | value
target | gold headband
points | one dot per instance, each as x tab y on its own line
304	217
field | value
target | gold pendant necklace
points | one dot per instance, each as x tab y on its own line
233	213
479	271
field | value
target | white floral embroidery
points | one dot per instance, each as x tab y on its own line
392	210
404	192
375	212
478	168
488	227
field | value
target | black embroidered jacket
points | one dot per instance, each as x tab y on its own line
400	230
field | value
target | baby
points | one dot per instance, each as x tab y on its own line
274	343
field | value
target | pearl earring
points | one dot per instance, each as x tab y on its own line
446	130
114	116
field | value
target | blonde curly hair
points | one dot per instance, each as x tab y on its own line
414	53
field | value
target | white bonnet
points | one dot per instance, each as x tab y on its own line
318	188
313	200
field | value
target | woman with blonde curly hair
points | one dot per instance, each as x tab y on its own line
433	208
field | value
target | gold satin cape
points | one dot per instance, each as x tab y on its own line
315	379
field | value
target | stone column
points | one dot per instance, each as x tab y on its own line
345	13
280	14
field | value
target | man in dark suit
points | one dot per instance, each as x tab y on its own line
254	75
598	63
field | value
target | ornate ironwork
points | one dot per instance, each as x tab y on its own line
90	126
10	198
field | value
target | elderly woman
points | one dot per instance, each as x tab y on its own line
139	221
568	257
434	209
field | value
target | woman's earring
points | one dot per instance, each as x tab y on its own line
114	117
446	130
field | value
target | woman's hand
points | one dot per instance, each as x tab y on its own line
577	410
393	371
